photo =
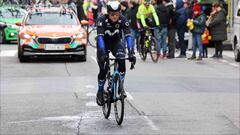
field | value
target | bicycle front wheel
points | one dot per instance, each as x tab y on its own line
153	49
119	100
107	105
92	37
142	50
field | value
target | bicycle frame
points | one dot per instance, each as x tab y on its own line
111	83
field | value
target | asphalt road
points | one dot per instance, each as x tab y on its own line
171	97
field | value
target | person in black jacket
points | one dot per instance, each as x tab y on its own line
172	30
133	8
217	25
80	12
161	33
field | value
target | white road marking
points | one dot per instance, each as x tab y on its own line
151	124
224	61
89	94
129	96
233	64
94	58
91	103
60	118
8	53
90	86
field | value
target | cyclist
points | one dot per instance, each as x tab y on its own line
109	36
145	15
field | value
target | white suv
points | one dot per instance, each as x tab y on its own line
236	33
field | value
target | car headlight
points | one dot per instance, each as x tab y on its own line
80	35
26	36
2	23
12	26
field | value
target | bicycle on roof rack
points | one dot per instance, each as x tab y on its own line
91	33
114	93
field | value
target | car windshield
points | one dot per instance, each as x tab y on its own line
11	13
51	19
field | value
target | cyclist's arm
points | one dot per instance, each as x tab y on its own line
127	34
142	18
141	11
100	36
155	16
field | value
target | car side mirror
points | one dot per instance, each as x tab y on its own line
84	22
18	23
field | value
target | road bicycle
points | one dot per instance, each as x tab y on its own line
150	45
114	92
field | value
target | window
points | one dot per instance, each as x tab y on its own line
11	13
51	19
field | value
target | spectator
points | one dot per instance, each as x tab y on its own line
161	33
124	9
55	2
172	30
217	25
44	3
133	8
181	28
72	5
205	42
80	11
199	21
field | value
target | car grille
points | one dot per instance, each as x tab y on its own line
63	40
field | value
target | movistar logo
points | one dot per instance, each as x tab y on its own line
111	33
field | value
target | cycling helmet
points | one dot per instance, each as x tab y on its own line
113	6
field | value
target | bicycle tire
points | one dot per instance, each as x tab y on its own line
142	50
153	49
119	102
92	35
106	108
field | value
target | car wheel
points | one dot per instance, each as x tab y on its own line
1	36
82	58
237	54
21	57
236	51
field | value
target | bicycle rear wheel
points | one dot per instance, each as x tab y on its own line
153	49
92	37
119	101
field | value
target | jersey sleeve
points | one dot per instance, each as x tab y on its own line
100	26
142	11
155	16
125	26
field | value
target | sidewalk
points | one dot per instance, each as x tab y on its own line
211	51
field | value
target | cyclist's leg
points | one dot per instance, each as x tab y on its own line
103	68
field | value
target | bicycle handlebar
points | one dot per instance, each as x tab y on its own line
132	64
